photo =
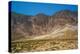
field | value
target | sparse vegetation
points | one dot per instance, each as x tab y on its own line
44	45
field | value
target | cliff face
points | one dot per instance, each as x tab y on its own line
23	25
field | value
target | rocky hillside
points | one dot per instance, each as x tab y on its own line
28	26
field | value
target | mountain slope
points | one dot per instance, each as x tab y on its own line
37	26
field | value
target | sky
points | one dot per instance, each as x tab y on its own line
33	8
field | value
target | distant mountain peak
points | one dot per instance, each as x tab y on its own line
63	13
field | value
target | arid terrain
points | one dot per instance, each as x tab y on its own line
44	45
44	33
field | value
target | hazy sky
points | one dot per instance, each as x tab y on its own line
32	8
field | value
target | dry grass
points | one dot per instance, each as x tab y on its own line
44	45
